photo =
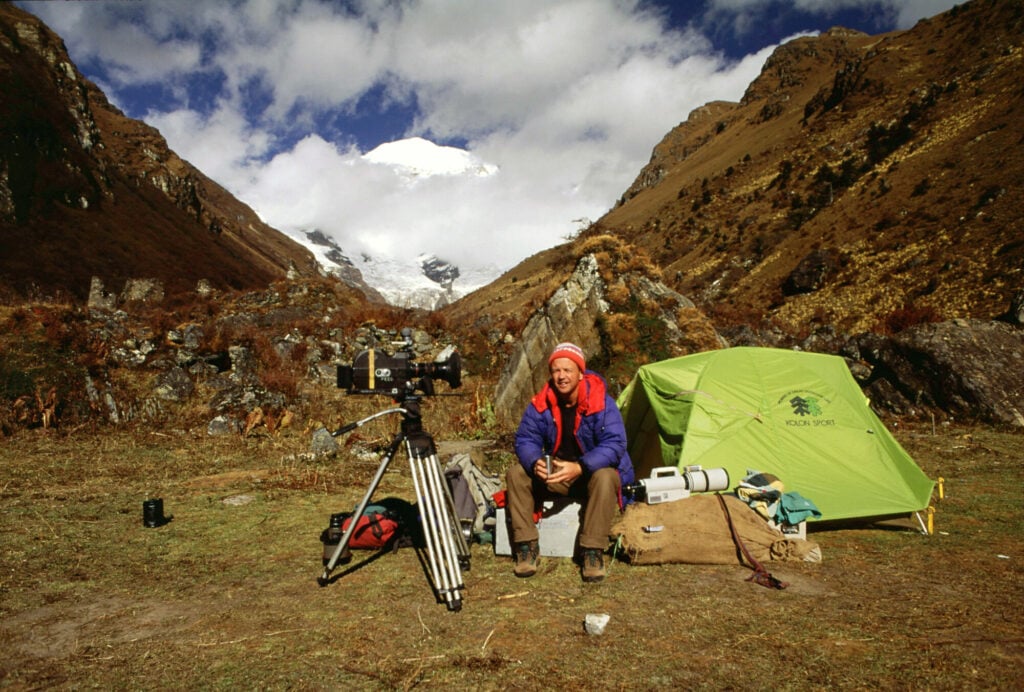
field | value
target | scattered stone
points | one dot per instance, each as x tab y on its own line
174	385
223	425
323	443
204	288
99	299
142	291
594	623
189	336
243	365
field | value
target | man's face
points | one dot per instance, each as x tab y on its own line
565	376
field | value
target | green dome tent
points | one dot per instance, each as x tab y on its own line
797	415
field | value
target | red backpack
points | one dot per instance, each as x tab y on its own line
376	528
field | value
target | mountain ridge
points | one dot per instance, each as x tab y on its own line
90	192
869	158
861	181
426	282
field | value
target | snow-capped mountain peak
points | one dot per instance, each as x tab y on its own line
426	281
417	158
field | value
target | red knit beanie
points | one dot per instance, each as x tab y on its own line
570	351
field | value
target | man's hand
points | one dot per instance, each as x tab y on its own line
540	469
563	471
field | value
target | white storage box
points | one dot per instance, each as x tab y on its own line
558	527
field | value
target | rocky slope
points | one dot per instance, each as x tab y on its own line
859	178
86	191
862	199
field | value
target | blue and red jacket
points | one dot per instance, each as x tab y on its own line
598	427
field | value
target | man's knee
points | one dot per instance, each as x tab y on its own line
605	480
517	475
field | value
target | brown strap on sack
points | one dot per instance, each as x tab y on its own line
761	575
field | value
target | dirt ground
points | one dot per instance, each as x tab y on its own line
225	594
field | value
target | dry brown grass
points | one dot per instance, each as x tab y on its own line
225	596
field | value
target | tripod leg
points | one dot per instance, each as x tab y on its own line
456	548
347	536
437	526
461	544
445	554
424	499
439	518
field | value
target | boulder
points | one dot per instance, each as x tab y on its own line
99	299
223	425
323	443
142	291
970	369
174	385
811	273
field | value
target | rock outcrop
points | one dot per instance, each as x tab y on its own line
571	314
583	311
972	370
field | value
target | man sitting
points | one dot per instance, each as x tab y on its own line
575	421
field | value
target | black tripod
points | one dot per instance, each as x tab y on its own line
446	545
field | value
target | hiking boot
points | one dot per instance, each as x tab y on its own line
527	556
593	565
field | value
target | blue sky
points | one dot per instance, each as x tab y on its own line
278	100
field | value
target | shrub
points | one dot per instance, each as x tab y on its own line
908	316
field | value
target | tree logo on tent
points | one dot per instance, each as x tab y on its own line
807	408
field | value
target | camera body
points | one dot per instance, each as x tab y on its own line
374	371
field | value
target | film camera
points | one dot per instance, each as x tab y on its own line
374	371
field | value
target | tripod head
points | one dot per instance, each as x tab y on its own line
412	419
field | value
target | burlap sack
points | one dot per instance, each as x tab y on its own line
695	531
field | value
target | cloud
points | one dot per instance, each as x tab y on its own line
221	144
502	69
131	48
749	16
313	58
568	122
909	12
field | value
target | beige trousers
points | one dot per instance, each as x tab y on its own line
599	493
